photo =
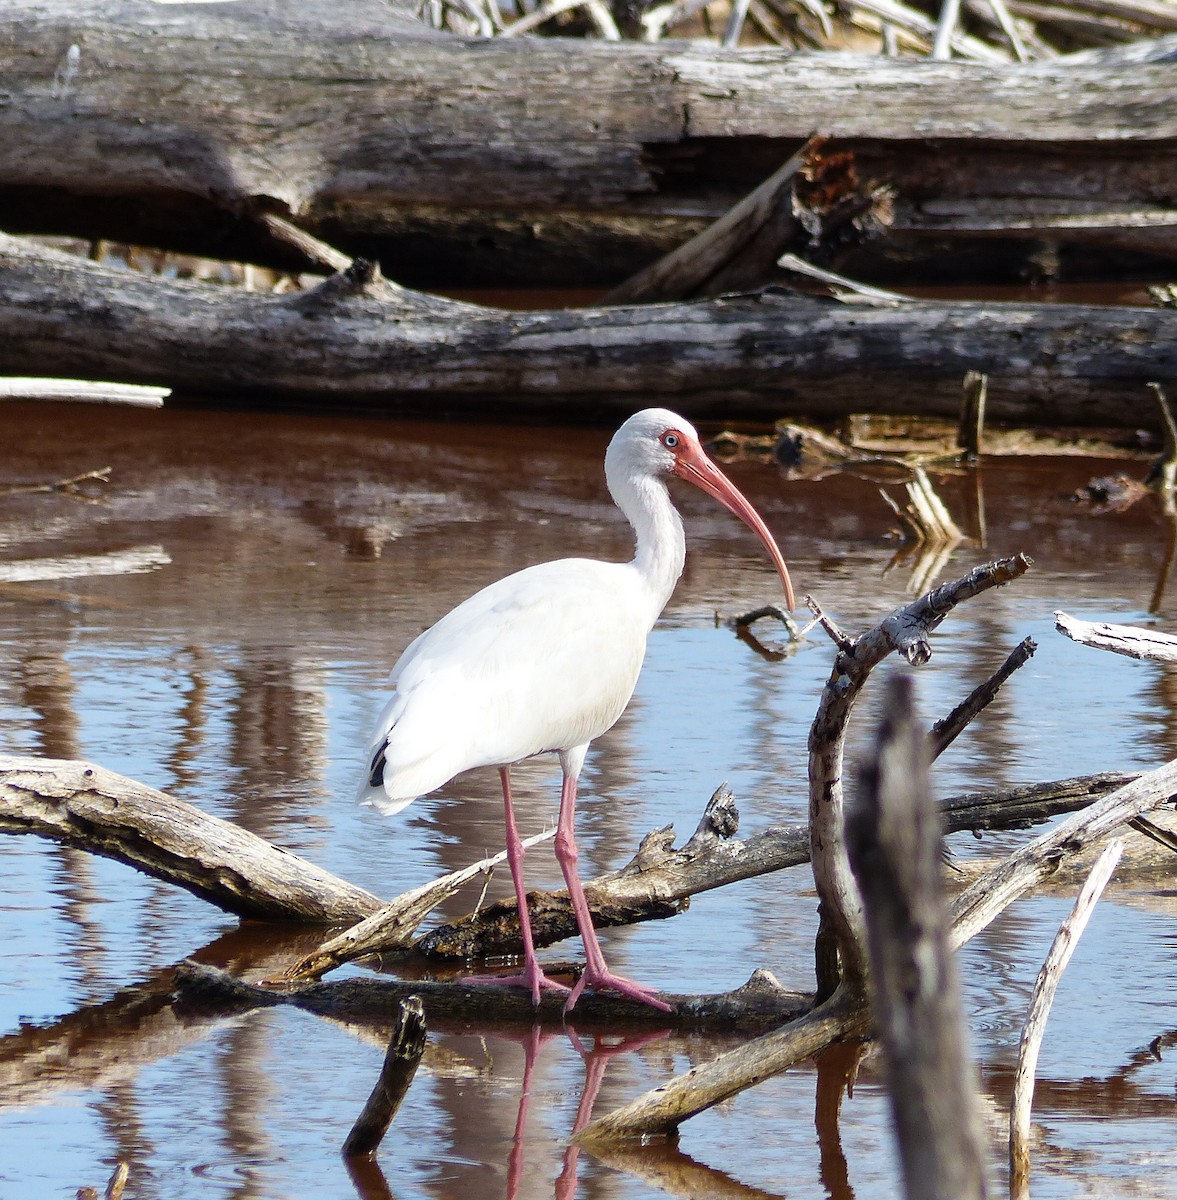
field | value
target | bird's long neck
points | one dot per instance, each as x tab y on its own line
661	544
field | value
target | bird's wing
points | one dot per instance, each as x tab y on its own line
545	659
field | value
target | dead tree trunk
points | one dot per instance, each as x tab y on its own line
542	161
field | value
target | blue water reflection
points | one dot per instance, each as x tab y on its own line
243	677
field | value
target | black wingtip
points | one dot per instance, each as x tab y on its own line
376	774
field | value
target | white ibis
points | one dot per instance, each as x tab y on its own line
546	660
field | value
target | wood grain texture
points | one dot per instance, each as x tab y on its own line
83	805
761	355
538	160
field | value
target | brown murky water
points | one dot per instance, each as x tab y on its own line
219	624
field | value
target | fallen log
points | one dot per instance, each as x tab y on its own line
758	1004
358	342
542	161
83	805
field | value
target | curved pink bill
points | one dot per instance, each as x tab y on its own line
694	466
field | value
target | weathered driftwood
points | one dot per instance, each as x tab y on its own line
1120	639
392	927
406	1044
984	899
895	845
1041	999
657	882
907	631
760	1003
845	1014
108	814
357	340
661	878
83	805
82	391
949	728
544	160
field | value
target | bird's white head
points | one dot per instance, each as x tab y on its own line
658	442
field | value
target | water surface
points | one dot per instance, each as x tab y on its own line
219	623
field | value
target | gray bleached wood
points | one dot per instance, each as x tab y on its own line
182	845
83	805
845	1014
992	893
1120	639
82	391
1041	999
660	879
359	341
895	844
539	160
906	631
392	927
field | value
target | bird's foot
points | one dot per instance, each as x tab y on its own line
598	980
531	979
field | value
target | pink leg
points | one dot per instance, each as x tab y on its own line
596	974
532	977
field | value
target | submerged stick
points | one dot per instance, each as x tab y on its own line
1045	987
760	1003
405	1047
895	845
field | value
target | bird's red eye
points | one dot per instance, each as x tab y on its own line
670	440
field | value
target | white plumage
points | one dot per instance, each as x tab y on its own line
546	660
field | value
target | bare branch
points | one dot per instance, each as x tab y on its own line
906	630
948	729
1045	987
994	891
1119	639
